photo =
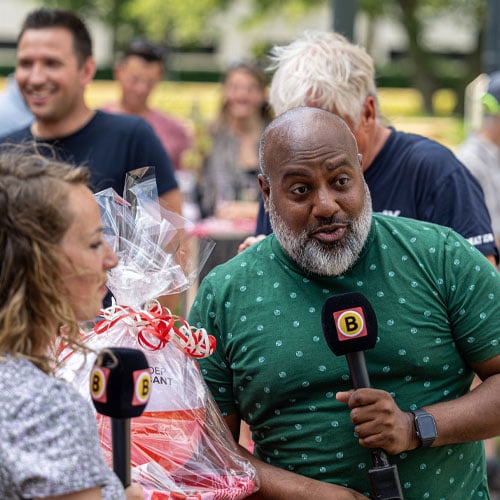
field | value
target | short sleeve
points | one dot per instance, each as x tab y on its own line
474	300
151	152
216	372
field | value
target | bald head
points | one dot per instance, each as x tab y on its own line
302	130
314	190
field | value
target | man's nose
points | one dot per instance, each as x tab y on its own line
325	203
36	74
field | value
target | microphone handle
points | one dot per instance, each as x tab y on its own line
120	438
361	379
357	367
383	476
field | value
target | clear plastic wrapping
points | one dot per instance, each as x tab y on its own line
181	447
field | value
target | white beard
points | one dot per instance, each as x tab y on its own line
318	258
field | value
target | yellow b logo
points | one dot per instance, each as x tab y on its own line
98	383
351	323
142	381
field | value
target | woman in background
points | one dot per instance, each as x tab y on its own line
53	276
228	186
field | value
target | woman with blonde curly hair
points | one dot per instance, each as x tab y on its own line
53	276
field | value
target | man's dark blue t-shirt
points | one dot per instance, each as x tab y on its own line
413	176
110	145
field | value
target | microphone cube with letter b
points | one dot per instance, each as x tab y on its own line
120	382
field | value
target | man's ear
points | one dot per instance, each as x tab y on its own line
265	188
88	71
369	114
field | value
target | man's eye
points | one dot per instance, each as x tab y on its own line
343	181
96	245
299	190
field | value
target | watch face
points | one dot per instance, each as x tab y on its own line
426	427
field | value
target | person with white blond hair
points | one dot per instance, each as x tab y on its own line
408	175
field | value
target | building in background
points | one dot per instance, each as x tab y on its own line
385	39
12	15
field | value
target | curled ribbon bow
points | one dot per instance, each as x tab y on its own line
155	326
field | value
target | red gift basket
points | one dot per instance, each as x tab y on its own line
181	447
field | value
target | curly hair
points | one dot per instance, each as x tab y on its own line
323	70
34	306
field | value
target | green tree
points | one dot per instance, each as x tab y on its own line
111	12
429	70
189	22
161	20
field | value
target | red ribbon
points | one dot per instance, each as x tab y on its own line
155	326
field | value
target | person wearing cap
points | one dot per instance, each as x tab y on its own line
138	73
480	152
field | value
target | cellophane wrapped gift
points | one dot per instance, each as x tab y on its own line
181	447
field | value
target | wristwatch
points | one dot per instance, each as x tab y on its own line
425	426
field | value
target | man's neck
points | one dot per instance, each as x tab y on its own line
133	110
44	129
378	138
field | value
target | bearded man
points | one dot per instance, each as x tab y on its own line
436	300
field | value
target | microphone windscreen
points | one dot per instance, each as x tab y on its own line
349	323
120	382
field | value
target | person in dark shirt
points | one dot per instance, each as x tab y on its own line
54	67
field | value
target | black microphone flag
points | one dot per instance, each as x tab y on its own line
120	384
350	327
349	323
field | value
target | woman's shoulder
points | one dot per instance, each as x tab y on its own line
27	391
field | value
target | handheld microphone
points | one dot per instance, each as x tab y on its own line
120	384
350	327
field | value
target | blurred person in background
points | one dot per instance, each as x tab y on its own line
480	152
54	67
408	175
55	262
14	112
138	73
228	185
